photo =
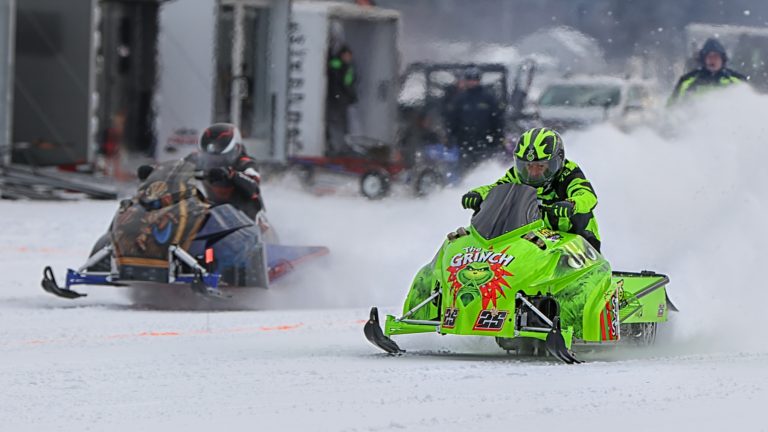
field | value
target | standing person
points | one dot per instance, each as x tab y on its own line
475	121
342	81
711	73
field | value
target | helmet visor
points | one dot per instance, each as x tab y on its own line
220	139
536	173
218	145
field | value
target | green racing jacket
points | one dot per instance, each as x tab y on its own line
569	184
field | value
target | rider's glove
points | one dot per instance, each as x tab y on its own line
219	174
562	209
144	171
471	200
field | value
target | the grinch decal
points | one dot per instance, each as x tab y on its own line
472	277
475	274
479	273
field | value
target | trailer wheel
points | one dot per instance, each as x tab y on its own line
306	175
427	182
374	185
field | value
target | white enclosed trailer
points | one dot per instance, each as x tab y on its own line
223	60
318	28
7	31
54	82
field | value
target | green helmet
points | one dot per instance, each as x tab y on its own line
539	156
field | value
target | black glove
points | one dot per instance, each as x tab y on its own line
144	171
220	174
562	209
471	200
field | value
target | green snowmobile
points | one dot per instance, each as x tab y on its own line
509	277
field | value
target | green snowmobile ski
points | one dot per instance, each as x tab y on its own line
509	277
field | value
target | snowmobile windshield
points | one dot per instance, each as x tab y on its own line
169	183
580	95
506	208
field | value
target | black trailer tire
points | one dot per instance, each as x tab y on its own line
306	175
374	185
427	182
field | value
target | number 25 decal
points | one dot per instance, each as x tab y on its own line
488	320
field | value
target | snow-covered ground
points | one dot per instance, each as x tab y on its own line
688	202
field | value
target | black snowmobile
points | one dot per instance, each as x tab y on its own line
168	234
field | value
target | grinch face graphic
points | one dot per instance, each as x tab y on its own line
478	273
475	274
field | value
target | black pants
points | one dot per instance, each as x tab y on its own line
336	127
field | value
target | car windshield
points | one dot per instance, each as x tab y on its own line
506	208
580	95
169	183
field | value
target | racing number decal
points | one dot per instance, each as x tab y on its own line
615	317
449	319
492	320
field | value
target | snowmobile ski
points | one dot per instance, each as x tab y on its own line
555	344
49	284
374	334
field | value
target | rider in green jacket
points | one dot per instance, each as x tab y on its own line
568	198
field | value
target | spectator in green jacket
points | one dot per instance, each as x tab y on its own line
342	80
712	73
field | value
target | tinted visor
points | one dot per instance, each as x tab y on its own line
536	173
218	142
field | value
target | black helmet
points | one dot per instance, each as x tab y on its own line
712	45
472	73
220	146
539	156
